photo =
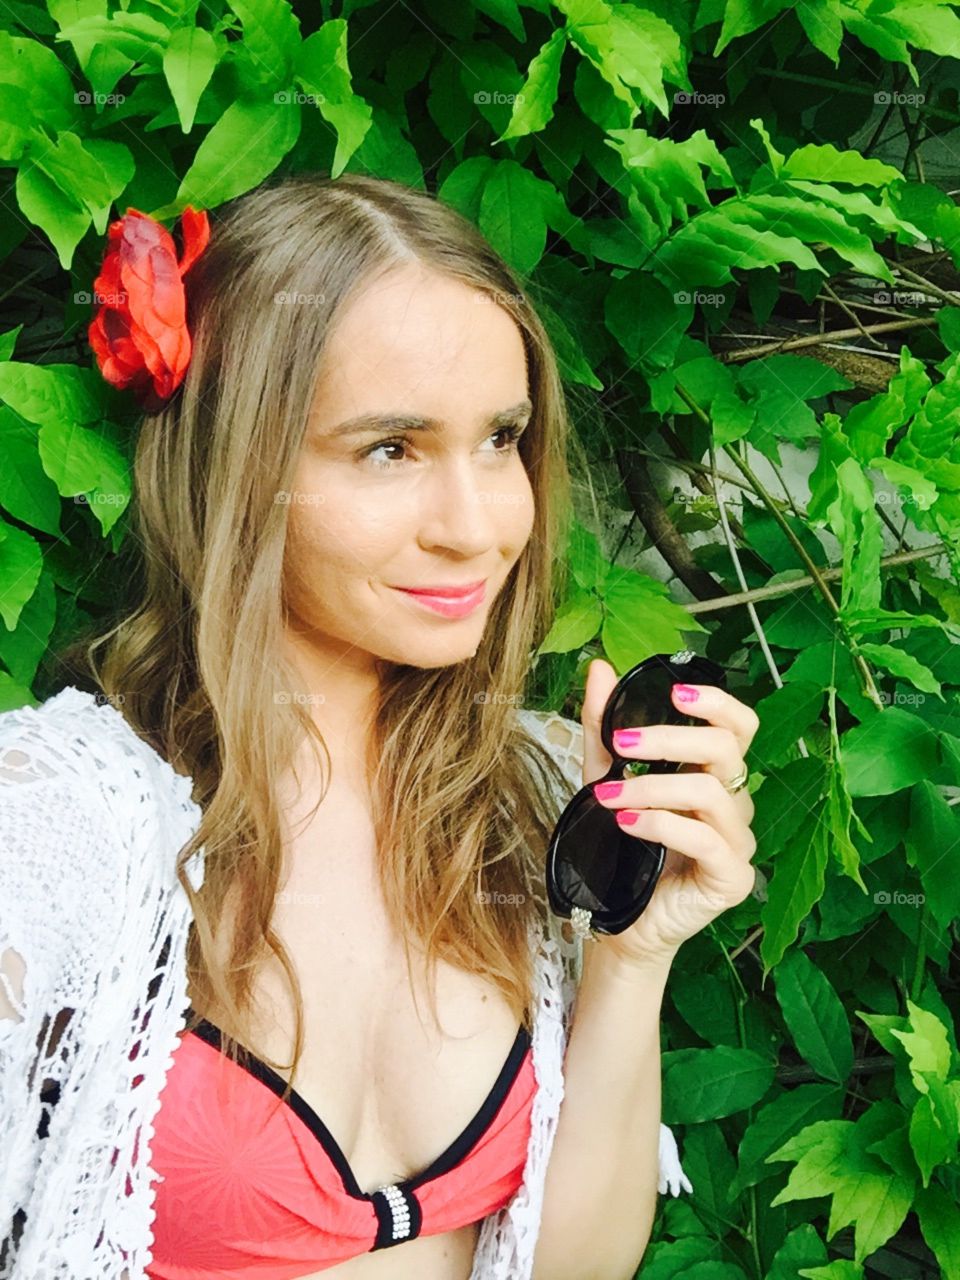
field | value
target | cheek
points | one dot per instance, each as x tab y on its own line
333	537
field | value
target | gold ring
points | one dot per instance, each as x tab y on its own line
738	783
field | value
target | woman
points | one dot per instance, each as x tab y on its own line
370	413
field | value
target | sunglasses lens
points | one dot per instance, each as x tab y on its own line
599	866
646	699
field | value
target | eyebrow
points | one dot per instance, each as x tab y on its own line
408	422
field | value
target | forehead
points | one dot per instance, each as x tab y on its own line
421	343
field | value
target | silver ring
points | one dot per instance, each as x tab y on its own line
738	783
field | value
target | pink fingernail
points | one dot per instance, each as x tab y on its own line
626	818
626	737
686	692
607	790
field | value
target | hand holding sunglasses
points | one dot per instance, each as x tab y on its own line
609	869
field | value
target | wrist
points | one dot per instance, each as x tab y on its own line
627	967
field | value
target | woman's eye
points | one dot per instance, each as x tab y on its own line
511	435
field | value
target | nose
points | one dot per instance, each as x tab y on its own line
459	508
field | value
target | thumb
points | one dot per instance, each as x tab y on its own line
601	680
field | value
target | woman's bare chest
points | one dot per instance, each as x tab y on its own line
392	1089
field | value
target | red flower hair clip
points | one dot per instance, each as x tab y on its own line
139	332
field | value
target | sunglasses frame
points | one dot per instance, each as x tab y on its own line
685	665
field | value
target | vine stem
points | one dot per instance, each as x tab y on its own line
870	689
824	339
916	986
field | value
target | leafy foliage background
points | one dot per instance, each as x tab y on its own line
725	214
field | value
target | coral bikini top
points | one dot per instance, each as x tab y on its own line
262	1190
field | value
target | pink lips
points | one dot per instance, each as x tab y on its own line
454	604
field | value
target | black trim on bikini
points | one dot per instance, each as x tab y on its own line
454	1154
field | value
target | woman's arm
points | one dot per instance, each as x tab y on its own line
600	1194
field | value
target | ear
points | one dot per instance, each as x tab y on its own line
601	681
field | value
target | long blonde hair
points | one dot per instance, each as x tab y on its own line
460	792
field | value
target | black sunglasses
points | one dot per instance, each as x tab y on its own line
599	875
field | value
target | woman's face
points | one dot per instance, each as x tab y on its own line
378	508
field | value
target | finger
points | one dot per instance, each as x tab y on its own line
700	794
720	708
601	681
716	750
720	871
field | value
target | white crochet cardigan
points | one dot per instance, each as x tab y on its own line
93	927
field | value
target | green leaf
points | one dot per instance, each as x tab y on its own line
839	1269
188	63
39	81
888	752
775	1122
271	37
815	1016
703	251
632	48
576	623
812	223
23	648
463	186
588	565
238	153
50	394
48	207
798	877
821	21
640	619
507	14
646	318
833	1160
26	492
933	832
937	1214
933	1130
824	163
900	663
514	213
81	461
926	1044
856	524
323	70
21	565
533	109
707	1084
785	715
740	17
